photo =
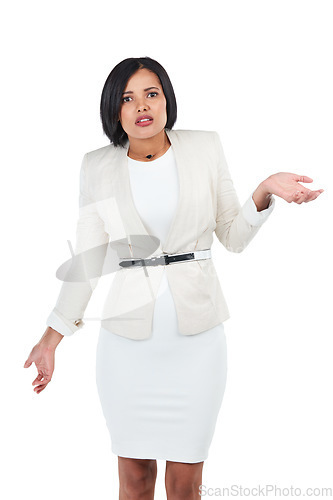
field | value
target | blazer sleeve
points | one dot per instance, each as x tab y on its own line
66	316
236	224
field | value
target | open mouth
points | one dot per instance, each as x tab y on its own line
144	122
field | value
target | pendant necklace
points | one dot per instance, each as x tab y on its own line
150	156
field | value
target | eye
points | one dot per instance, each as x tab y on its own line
128	97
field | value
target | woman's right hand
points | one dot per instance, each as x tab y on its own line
43	354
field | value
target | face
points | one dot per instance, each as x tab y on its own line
143	95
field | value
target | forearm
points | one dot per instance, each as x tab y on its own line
51	338
261	197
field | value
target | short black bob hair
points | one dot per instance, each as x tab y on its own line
114	87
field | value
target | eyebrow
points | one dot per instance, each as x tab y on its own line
130	91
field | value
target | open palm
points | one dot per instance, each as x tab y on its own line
286	185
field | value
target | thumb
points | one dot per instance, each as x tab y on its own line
27	363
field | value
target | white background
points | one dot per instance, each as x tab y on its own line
259	73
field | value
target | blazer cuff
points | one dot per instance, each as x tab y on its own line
251	214
61	324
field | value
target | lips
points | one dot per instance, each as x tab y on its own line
144	117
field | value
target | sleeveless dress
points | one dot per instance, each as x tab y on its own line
161	396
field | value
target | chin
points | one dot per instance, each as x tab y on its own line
147	133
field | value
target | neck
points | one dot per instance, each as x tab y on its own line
156	145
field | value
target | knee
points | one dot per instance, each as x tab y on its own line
137	476
183	481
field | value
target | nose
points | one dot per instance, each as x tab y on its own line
143	107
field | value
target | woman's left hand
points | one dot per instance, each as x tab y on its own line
285	185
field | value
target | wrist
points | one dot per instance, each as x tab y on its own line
261	196
51	338
263	188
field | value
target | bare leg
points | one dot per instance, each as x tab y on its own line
137	478
182	480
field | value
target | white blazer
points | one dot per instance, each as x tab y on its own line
111	228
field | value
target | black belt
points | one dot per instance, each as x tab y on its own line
163	260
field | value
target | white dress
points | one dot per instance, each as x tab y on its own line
165	403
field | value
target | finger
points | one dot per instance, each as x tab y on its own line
299	197
41	386
43	377
311	196
36	389
39	390
315	195
308	196
305	197
304	178
36	382
37	379
40	381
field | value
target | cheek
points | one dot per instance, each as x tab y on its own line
162	107
124	114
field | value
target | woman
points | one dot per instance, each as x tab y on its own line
160	393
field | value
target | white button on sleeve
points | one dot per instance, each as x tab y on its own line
56	321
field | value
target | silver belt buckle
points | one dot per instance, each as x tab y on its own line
158	260
153	261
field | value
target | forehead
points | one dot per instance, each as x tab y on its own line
142	78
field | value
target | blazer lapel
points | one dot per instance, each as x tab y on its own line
128	210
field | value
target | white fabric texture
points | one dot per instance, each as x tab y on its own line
152	409
161	396
201	307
